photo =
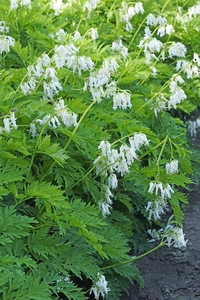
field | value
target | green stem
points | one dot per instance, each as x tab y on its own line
134	258
110	10
163	146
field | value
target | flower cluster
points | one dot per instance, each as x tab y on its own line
191	69
177	49
171	235
193	126
113	162
42	69
175	237
118	46
177	94
127	13
14	4
157	207
98	79
172	167
6	41
67	117
90	5
194	11
9	123
100	288
57	6
45	68
176	97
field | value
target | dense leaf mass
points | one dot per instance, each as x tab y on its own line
93	140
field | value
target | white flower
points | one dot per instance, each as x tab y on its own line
54	122
108	194
122	100
105	148
57	6
33	130
6	122
152	186
172	167
154	70
139	8
129	153
84	64
26	89
65	55
13	120
90	5
126	13
61	34
177	49
118	46
194	10
161	31
166	192
112	181
169	29
100	287
176	98
175	237
26	3
154	45
94	34
122	165
192	128
5	43
68	118
138	140
165	29
104	207
77	35
151	20
50	72
113	160
110	89
13	4
156	208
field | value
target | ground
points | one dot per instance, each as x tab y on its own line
169	273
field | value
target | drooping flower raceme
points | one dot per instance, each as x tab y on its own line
90	5
175	237
157	207
127	13
118	46
113	162
9	123
67	117
6	42
171	236
172	167
177	49
100	287
14	4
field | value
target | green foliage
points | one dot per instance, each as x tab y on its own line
91	116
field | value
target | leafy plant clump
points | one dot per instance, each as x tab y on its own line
93	143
